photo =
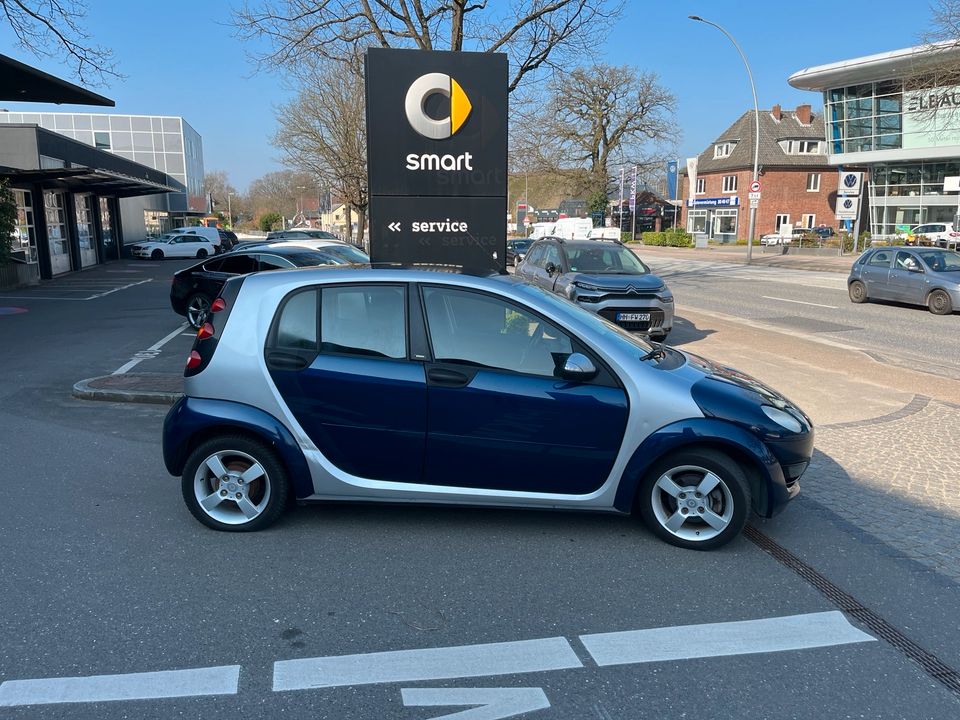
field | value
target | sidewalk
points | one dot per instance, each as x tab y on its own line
762	257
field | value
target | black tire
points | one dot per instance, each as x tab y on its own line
728	501
201	254
198	310
858	292
156	255
939	302
267	493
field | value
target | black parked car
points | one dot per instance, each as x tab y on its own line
196	287
517	250
228	239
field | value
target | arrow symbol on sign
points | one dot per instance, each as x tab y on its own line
494	703
395	226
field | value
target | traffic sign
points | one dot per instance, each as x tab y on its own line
754	202
754	195
755	186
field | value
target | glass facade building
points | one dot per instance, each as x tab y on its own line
889	115
164	143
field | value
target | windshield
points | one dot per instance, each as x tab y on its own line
941	260
609	260
606	328
347	253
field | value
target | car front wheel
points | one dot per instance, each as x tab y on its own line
156	255
858	292
234	483
201	254
697	499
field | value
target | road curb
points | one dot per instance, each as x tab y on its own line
84	390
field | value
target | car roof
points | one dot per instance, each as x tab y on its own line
579	244
282	248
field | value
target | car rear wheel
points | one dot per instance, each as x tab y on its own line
697	499
858	292
939	302
235	484
156	255
198	308
201	254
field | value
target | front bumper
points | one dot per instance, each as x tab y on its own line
609	306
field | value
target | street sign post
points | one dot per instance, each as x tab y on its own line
437	157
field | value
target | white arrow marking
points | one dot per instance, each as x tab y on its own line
131	686
495	703
794	632
441	663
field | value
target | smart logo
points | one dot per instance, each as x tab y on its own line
420	91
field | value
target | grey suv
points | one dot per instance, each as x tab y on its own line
604	277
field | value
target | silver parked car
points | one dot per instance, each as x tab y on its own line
919	276
605	277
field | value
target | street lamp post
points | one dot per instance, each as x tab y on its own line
229	211
756	131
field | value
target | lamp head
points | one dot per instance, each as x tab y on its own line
695	17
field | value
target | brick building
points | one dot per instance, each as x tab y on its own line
799	187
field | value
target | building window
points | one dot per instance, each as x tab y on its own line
729	183
800	147
725	222
813	182
782	219
697	221
24	238
722	150
701	186
156	223
808	221
101	140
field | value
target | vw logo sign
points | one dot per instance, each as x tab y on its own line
850	180
847	204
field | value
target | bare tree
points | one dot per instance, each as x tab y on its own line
278	191
597	117
534	33
55	29
324	133
218	186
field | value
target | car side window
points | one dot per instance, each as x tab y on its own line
906	261
238	264
470	328
533	257
881	258
272	262
368	320
214	265
551	255
297	324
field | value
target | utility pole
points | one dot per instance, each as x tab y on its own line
229	210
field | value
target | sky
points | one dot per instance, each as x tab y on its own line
180	57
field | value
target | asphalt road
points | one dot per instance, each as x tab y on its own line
807	303
106	574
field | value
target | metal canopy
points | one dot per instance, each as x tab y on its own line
22	83
79	180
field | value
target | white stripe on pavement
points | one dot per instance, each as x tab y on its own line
426	664
133	686
150	351
794	632
799	302
495	703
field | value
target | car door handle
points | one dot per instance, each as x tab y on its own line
286	361
443	376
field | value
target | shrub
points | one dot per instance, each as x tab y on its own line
678	237
654	238
270	221
626	237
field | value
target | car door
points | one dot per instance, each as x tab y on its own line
906	279
499	417
526	268
338	356
875	274
552	259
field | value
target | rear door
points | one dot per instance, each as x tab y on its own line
500	418
338	355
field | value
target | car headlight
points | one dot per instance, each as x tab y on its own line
665	297
782	418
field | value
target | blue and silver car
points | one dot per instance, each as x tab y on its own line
918	276
405	385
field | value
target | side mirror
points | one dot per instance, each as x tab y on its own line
578	366
550	268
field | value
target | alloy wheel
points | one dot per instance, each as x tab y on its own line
232	487
197	310
692	503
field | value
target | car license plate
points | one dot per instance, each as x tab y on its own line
633	317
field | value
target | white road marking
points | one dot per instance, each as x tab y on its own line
794	632
150	352
133	686
76	288
495	703
124	287
426	664
799	302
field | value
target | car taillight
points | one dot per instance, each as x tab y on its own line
193	360
954	234
205	331
218	305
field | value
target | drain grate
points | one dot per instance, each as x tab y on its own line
928	662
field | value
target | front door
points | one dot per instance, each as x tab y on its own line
498	416
906	278
338	356
86	235
58	240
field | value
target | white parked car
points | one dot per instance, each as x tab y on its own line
174	245
939	234
774	239
209	233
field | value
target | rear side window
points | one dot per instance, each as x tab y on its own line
364	320
297	324
881	258
237	264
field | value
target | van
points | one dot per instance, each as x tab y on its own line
573	228
604	233
541	230
210	234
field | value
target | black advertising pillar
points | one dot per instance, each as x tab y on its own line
437	157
